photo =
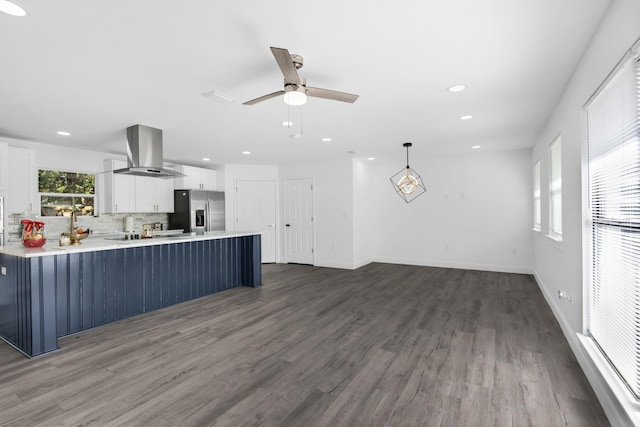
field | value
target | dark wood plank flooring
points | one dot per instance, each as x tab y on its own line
385	345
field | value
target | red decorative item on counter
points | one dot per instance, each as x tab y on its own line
33	233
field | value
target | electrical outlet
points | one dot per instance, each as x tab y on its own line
564	295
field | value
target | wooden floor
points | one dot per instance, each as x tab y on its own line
382	345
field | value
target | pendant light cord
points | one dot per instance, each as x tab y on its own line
301	122
407	157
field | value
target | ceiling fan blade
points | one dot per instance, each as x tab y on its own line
283	58
264	98
331	94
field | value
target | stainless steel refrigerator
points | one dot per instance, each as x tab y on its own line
197	211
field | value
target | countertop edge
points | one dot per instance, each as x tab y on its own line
100	244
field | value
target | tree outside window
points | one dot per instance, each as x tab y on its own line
63	192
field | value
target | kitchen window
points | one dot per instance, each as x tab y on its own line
612	231
63	192
555	189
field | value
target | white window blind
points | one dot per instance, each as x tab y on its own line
536	196
613	147
555	188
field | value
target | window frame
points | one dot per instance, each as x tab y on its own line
555	194
73	196
537	197
604	216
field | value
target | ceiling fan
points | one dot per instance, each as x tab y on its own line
295	88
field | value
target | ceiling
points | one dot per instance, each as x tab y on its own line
93	68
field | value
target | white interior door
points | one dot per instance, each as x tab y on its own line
298	231
256	211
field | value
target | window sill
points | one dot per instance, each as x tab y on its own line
556	241
538	229
629	404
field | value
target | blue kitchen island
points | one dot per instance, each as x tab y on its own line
49	292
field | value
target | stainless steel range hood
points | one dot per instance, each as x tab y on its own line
144	153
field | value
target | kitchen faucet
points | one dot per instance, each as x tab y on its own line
74	219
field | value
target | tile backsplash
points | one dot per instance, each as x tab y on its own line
103	224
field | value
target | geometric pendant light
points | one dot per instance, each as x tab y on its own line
407	182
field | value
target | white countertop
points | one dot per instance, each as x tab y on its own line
99	243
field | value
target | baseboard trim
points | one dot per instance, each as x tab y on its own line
461	266
329	264
617	412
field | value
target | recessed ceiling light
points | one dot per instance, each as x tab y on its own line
467	117
475	146
457	88
11	8
287	124
206	159
326	139
371	158
63	133
246	152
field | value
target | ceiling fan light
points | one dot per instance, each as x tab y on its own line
12	9
295	97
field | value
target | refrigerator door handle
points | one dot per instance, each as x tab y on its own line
207	219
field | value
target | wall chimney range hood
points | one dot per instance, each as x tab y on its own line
144	154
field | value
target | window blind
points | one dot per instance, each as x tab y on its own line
613	282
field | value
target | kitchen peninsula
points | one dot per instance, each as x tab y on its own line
49	292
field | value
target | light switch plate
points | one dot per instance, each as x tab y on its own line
4	271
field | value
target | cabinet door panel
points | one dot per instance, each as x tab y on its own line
144	194
119	189
196	178
163	195
22	194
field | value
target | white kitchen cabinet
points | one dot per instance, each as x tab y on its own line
130	193
22	192
196	178
119	189
163	195
153	194
144	193
4	168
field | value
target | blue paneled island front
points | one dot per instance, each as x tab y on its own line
50	292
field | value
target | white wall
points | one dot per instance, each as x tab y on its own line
64	158
333	205
364	218
476	213
559	266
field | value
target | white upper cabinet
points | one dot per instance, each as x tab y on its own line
163	195
196	178
129	193
153	194
119	189
4	168
22	193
